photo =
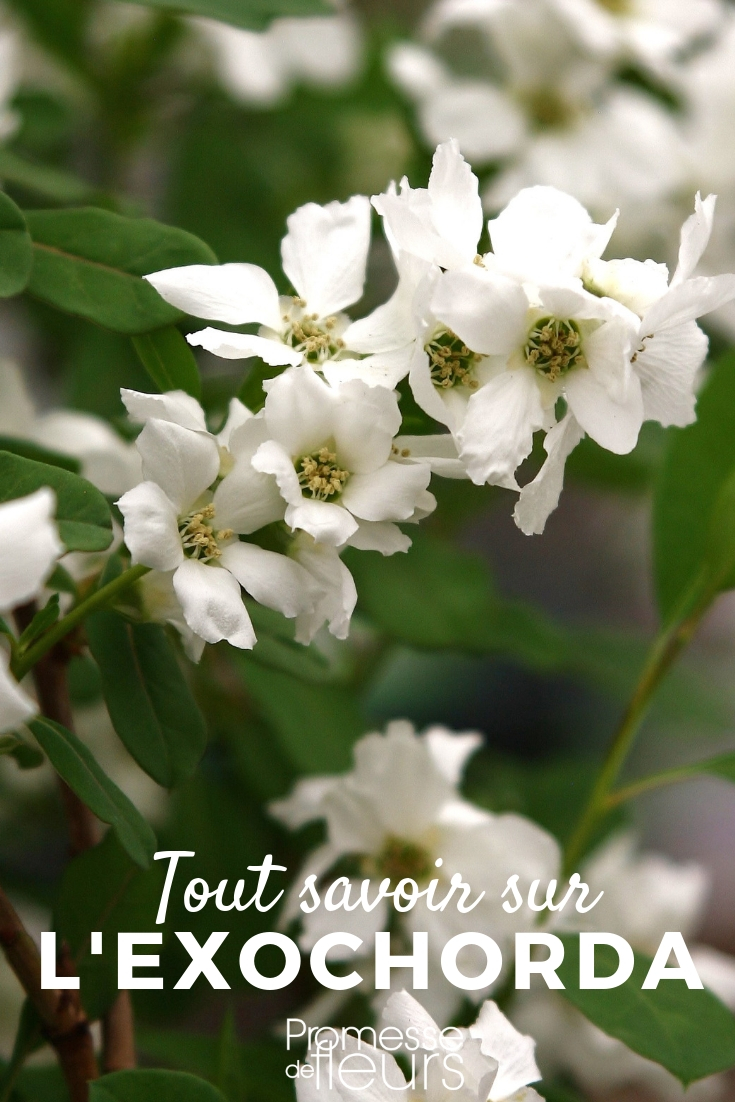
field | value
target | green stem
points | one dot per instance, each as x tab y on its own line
666	649
649	784
94	601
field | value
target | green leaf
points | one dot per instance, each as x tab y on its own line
242	13
26	756
29	450
697	464
103	890
143	1085
49	183
277	648
691	1033
149	701
88	262
230	1076
41	622
316	725
16	251
82	512
169	361
75	764
59	24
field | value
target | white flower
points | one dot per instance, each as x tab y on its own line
543	109
9	78
646	894
107	461
330	451
261	67
398	813
540	318
496	1061
337	592
199	494
324	256
29	549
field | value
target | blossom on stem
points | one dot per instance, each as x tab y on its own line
200	493
541	318
29	549
330	450
324	257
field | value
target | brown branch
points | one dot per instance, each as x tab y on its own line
65	1024
118	1035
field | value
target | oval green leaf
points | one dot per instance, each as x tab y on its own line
89	263
169	361
154	1085
76	765
82	512
16	251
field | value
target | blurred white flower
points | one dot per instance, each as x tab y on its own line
330	451
398	813
547	111
199	494
497	1062
9	77
29	549
645	895
262	67
109	462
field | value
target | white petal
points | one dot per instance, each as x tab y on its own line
385	369
668	367
160	603
497	434
325	521
451	750
29	546
513	1051
380	536
212	604
539	498
15	705
233	293
485	309
695	235
391	325
325	253
300	411
338	595
246	500
544	234
456	209
241	346
237	416
271	459
151	530
438	451
175	406
608	351
404	1012
272	579
365	421
416	70
426	394
183	463
689	301
389	493
614	425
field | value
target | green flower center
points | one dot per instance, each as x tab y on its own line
314	338
320	476
450	361
553	347
547	109
402	860
198	536
617	7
